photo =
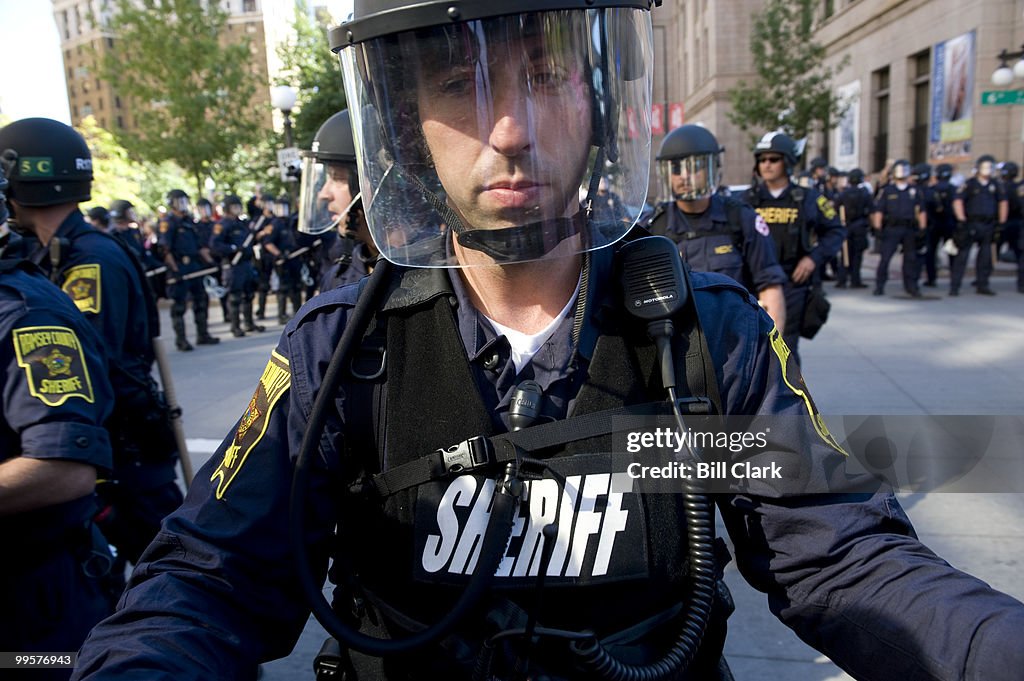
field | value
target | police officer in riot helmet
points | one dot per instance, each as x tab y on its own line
1011	233
185	254
854	204
52	173
941	221
99	217
981	209
803	224
331	205
713	233
514	325
54	398
900	216
280	244
232	242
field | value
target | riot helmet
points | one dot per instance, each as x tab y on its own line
282	206
177	201
777	143
204	209
818	163
3	204
943	172
1009	170
901	170
232	205
485	123
922	171
99	217
985	165
689	163
47	163
855	177
123	211
330	182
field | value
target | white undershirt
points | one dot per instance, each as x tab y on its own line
523	345
776	193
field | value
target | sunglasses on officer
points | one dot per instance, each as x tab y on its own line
769	159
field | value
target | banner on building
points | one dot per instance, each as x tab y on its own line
676	115
845	137
952	124
657	119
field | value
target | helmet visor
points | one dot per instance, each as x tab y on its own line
327	195
492	135
689	178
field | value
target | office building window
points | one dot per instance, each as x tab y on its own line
880	122
920	71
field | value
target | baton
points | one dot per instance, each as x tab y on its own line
846	247
171	397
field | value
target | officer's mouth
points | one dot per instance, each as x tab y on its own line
514	194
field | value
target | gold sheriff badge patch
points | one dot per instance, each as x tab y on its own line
54	364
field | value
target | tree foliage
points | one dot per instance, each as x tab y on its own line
116	176
190	87
792	91
309	66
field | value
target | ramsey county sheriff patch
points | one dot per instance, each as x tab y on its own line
273	383
82	283
784	354
826	207
54	364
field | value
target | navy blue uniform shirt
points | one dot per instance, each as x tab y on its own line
899	207
981	201
180	237
216	594
54	398
751	262
357	268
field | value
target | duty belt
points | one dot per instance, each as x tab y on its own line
982	219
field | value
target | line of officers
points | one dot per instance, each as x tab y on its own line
780	235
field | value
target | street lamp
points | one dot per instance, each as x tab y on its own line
1004	75
283	97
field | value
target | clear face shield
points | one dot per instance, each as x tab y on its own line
690	178
901	172
180	204
985	169
204	211
282	209
327	195
477	140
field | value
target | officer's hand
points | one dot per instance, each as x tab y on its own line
804	269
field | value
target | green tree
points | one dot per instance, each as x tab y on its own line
792	90
117	176
309	66
189	85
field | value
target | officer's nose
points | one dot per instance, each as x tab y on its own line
511	130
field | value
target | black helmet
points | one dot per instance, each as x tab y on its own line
985	158
600	54
684	153
204	208
818	162
833	171
332	158
855	176
231	200
333	141
3	200
177	200
901	169
780	143
99	214
1010	170
944	171
122	210
923	171
47	162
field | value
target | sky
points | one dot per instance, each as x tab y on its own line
32	79
32	76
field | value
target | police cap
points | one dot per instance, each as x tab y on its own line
47	162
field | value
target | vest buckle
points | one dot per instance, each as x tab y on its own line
468	455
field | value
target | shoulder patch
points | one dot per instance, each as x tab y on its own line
164	226
274	382
54	364
218	228
782	351
83	284
723	249
826	207
761	226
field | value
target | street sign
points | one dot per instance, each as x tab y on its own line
289	162
1002	97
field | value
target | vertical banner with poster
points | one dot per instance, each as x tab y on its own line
846	138
952	100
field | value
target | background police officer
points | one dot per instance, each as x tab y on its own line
204	227
854	204
54	398
715	234
1013	232
981	208
330	205
803	224
232	242
899	215
52	173
185	253
279	244
941	222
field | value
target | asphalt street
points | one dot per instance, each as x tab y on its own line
888	355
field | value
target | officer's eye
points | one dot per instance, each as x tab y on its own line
458	82
548	77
